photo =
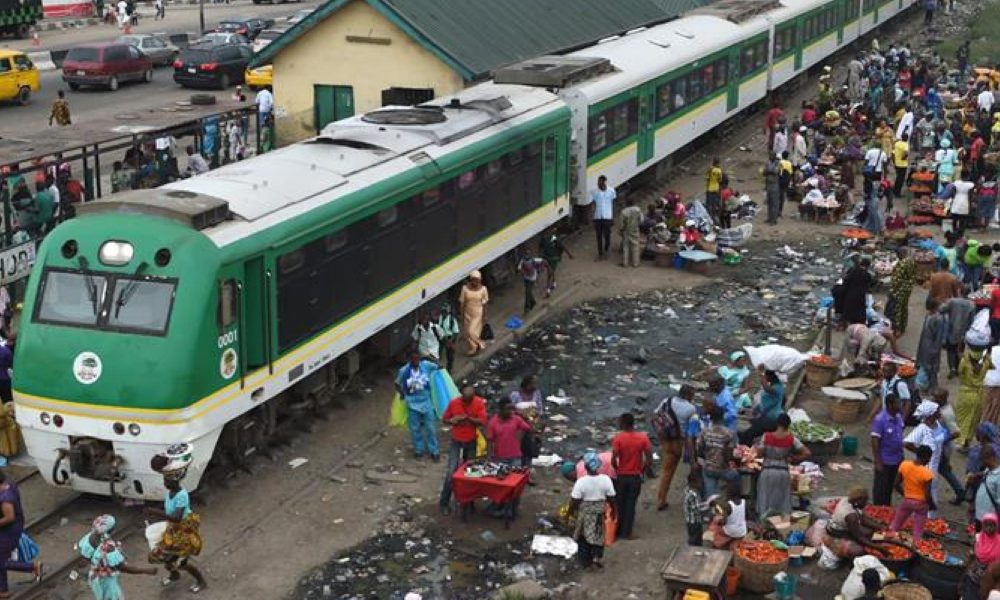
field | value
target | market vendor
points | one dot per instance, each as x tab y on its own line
730	522
736	375
575	470
850	529
780	449
768	411
864	345
690	237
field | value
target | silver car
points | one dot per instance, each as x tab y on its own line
217	38
299	15
266	37
160	51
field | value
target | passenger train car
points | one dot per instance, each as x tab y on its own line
217	309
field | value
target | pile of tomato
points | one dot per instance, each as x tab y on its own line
890	551
823	360
882	514
931	549
761	553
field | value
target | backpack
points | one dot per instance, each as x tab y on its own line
665	422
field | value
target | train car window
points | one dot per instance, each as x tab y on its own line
388	216
708	78
467	179
695	91
534	148
514	157
335	241
761	56
228	309
598	132
430	197
663	100
680	93
291	262
746	60
142	305
71	298
721	72
494	168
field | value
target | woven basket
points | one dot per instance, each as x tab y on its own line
818	376
756	577
906	591
845	411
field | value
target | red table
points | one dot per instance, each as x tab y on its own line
502	492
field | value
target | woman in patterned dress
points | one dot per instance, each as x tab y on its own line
182	539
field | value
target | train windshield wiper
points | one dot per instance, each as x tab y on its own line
129	290
91	284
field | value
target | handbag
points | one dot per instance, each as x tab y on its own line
487	333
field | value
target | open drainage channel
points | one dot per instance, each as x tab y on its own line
607	357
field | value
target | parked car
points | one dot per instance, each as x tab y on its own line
105	64
245	26
18	77
160	51
266	37
299	15
211	65
260	77
221	38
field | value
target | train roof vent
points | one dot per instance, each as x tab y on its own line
423	115
195	210
553	71
736	11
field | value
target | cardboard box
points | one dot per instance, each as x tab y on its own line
808	552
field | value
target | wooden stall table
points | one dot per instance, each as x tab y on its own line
505	492
693	567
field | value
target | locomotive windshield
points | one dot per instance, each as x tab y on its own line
106	301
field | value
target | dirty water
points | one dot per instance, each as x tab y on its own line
605	357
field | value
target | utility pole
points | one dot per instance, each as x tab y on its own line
201	17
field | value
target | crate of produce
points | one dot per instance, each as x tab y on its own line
821	370
905	590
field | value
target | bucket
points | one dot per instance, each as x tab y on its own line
785	590
679	262
849	445
732	581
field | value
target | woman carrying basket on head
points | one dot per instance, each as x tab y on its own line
182	539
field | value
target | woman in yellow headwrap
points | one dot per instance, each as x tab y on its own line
472	303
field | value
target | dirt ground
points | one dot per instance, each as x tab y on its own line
284	532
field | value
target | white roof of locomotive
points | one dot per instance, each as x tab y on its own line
350	155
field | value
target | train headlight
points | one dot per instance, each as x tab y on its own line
57	420
116	253
133	428
45	418
118	428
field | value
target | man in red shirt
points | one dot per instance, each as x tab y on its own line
771	119
466	414
976	152
631	453
504	435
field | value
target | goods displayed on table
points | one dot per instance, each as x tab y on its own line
885	514
811	431
761	552
890	552
477	469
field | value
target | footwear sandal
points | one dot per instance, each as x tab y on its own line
194	589
166	581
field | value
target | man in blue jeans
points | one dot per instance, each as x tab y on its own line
466	414
413	382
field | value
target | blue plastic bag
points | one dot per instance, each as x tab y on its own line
27	550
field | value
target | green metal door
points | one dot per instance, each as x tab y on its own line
800	35
550	173
646	144
841	14
331	103
254	303
733	82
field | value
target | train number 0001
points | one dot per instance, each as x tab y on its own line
227	338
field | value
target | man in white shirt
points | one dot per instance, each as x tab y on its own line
196	163
875	160
905	124
265	103
603	199
985	99
780	141
428	335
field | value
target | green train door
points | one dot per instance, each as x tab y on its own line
256	308
841	17
646	145
800	35
331	103
550	174
733	82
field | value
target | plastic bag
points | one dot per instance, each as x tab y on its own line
827	559
26	551
480	444
398	413
610	526
155	532
815	533
853	588
775	357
